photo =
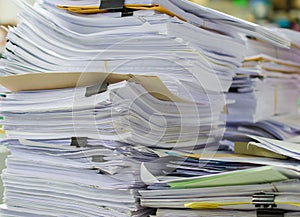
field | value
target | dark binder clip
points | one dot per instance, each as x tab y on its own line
95	89
115	6
265	205
269	213
97	158
79	141
112	4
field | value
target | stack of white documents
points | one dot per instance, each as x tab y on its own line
93	136
231	191
139	110
52	39
259	97
265	91
53	178
77	149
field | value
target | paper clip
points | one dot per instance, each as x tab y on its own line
79	141
96	89
265	205
115	6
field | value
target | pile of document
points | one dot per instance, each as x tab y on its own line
258	97
264	87
238	184
121	114
52	39
125	108
92	140
52	178
265	92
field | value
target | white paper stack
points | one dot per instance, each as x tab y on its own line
203	16
112	129
227	192
256	98
52	178
116	123
128	112
265	91
215	183
52	39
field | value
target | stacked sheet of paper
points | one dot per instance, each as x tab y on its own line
53	178
212	182
91	140
265	91
231	191
256	98
262	101
112	126
138	110
87	144
52	39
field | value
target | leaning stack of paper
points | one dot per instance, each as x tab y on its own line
152	40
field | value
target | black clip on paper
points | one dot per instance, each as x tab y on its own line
79	141
95	89
97	158
115	6
270	213
265	205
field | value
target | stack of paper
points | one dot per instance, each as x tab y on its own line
75	136
231	191
202	16
52	39
187	11
225	181
265	91
52	178
113	126
91	140
256	98
263	100
140	110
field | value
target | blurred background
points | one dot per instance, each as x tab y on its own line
9	11
8	16
278	13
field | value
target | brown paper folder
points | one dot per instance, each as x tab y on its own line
59	80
